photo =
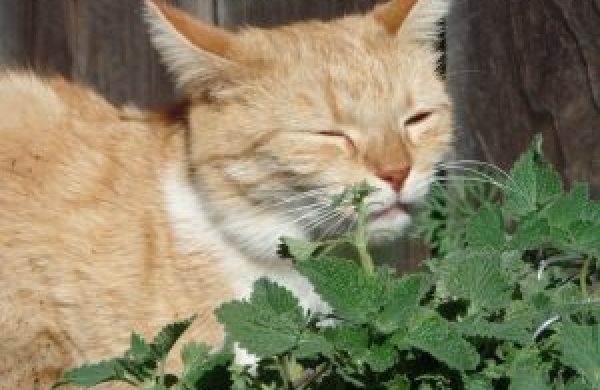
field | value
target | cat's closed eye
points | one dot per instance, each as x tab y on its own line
337	133
418	118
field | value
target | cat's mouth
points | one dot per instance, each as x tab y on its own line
391	211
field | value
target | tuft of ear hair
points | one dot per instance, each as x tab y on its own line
418	20
393	14
197	53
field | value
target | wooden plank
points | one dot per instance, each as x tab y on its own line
233	13
14	25
104	43
517	68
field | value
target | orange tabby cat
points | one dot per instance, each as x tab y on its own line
113	220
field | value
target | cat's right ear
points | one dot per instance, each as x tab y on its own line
197	53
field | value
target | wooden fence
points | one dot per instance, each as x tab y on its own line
515	67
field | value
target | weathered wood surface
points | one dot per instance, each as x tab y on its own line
233	13
13	32
103	43
517	68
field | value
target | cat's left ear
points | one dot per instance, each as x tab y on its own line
199	54
418	19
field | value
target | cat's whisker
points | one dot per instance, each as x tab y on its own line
310	214
484	164
334	226
320	219
487	178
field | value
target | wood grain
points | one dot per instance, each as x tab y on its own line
14	23
232	13
517	68
103	43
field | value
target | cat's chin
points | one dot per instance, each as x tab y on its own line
388	225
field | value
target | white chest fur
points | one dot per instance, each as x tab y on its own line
195	232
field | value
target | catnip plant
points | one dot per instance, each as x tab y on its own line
509	299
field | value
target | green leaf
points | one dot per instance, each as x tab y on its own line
399	382
168	336
401	302
352	294
478	383
486	228
268	324
568	208
528	372
198	363
586	237
532	182
529	378
477	277
353	340
140	351
89	375
532	233
381	357
580	349
515	331
311	345
431	333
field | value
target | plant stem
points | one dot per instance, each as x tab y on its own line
284	369
319	371
361	240
583	278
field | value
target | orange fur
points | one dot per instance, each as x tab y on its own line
113	219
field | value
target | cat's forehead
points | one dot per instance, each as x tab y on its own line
360	75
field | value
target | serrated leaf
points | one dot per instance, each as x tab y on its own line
529	378
486	228
140	351
532	182
353	340
352	294
527	372
269	323
568	208
431	333
168	336
477	277
586	237
92	374
515	331
532	233
197	362
580	349
401	302
311	345
381	357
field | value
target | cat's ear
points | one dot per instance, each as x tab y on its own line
418	19
197	53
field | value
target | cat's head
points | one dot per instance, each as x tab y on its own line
283	119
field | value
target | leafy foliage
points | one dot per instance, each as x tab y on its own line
507	301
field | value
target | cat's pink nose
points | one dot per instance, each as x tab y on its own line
395	177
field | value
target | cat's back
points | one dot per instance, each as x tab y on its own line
80	204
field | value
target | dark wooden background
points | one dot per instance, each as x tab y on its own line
514	67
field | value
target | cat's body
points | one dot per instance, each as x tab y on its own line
113	220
